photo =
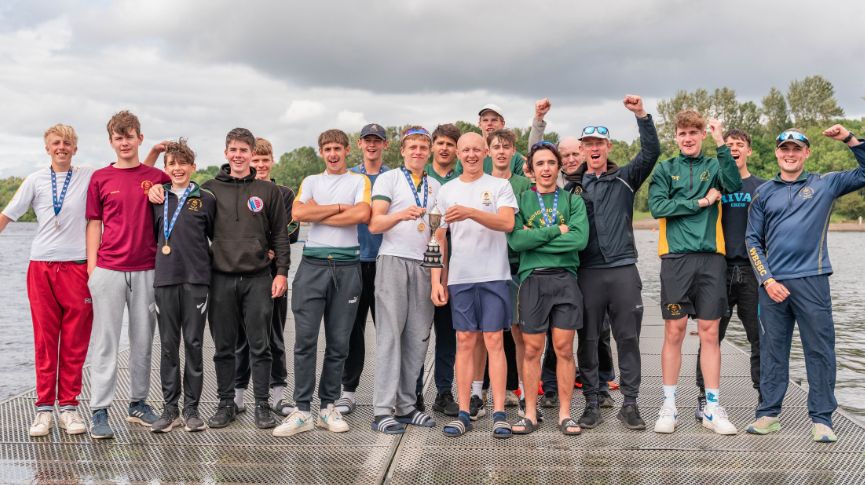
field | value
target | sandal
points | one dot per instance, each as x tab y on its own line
456	428
417	418
567	427
502	429
345	405
388	425
526	426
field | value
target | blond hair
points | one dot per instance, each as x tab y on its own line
65	132
262	148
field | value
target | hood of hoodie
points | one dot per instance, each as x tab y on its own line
224	175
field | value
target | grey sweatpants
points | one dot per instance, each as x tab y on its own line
112	291
404	317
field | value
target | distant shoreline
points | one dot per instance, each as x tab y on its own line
652	224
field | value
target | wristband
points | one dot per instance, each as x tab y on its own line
768	282
849	137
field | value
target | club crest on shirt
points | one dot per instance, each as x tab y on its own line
194	205
704	177
145	186
806	193
675	309
486	197
255	204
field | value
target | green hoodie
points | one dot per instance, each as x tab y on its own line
675	191
542	246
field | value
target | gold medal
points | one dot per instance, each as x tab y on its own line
421	227
166	250
56	222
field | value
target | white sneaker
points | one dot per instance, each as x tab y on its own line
42	423
331	420
715	418
667	419
72	422
296	422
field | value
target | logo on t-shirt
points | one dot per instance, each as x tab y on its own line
145	185
806	193
255	204
486	197
194	205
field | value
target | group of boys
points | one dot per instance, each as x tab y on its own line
532	262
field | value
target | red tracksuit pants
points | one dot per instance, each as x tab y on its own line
62	317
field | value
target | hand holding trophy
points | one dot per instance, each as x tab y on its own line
432	258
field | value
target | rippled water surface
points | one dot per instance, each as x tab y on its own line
848	293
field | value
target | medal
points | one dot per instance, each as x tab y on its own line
58	200
169	226
414	189
421	227
551	220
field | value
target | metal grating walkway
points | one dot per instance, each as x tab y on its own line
608	454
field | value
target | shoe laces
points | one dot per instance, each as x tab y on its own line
667	412
719	413
71	417
42	417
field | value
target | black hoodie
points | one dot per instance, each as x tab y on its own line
250	219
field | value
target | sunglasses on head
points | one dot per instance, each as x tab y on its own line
543	144
591	130
416	131
792	136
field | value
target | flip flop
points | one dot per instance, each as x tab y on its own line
567	425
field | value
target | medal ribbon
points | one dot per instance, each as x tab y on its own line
414	189
58	201
551	221
169	226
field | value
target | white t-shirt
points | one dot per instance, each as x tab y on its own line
479	254
348	189
404	239
52	244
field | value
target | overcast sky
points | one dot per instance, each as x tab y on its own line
289	70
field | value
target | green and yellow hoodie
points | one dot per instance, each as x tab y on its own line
675	191
542	246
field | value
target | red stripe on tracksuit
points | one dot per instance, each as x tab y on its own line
62	314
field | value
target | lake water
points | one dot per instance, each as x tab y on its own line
848	291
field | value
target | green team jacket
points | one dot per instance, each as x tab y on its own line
542	246
676	188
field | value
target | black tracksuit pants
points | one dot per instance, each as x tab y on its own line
613	291
357	344
241	302
180	311
742	293
278	372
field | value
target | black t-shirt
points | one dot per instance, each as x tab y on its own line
734	219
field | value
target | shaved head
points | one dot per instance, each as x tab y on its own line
569	142
572	156
471	139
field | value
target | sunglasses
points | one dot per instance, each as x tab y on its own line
417	131
543	144
792	136
600	130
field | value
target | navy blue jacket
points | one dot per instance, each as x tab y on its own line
787	222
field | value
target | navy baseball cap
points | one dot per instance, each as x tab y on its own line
373	129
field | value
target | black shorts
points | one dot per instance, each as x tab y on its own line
694	285
550	297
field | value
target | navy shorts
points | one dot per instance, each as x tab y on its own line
481	307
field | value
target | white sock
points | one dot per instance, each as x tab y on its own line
522	391
348	395
276	395
477	388
238	396
670	395
711	398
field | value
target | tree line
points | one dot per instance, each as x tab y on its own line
808	104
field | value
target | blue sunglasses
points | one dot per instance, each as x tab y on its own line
792	136
416	131
591	130
543	144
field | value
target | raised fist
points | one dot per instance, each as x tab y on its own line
634	104
716	127
837	132
542	107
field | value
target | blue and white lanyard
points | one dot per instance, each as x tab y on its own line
551	221
169	226
58	201
414	189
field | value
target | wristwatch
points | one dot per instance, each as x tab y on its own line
849	137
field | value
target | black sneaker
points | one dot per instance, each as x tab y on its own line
263	416
445	403
192	421
606	401
701	403
169	419
629	415
550	400
419	404
591	417
476	408
225	414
